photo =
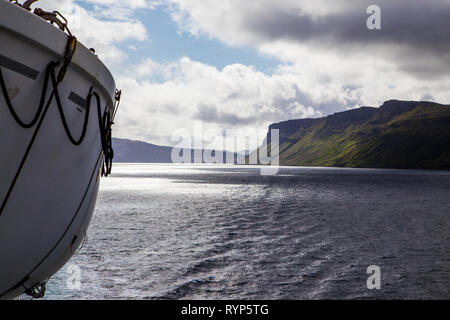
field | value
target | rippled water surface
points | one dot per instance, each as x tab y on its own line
226	232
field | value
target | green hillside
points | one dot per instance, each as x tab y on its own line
399	134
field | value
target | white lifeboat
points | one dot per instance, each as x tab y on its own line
57	103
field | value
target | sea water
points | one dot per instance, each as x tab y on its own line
228	232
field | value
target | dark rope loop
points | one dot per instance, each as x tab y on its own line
23	124
104	124
63	118
104	121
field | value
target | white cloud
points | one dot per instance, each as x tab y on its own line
228	20
105	28
235	97
327	44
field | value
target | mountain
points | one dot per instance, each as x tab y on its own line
399	134
141	152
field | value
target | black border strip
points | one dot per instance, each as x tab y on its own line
18	67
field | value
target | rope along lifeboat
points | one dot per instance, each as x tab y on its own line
57	104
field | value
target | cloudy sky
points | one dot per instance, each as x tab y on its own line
245	64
